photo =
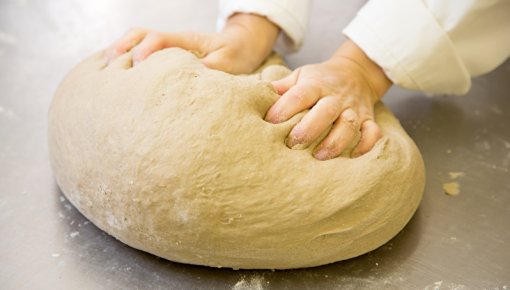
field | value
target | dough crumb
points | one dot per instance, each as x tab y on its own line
451	188
455	175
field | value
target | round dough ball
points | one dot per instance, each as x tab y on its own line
176	159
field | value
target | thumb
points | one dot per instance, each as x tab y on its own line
283	85
217	60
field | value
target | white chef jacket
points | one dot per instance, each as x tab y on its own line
435	46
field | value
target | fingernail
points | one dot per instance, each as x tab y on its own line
295	143
291	141
272	119
294	139
321	154
269	119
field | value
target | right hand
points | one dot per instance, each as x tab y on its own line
239	48
341	93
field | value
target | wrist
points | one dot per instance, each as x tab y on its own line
375	75
252	32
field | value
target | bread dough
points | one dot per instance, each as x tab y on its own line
175	159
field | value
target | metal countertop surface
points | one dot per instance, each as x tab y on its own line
452	242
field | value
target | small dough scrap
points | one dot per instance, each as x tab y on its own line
175	159
456	174
451	188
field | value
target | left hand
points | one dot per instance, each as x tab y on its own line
340	92
242	45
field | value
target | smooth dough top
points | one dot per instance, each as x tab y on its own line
175	159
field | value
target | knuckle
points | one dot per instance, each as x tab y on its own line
365	115
349	116
329	112
351	121
298	97
333	146
315	87
302	94
313	83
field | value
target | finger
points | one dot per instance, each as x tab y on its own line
155	41
365	112
125	44
192	41
122	62
341	135
283	85
298	98
314	123
152	42
370	134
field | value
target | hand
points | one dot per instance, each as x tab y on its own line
340	92
239	48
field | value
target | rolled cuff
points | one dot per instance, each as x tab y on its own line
404	38
290	15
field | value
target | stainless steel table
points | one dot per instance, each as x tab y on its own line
453	242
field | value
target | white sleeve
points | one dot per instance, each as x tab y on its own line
435	46
290	15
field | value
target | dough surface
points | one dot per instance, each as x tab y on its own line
175	159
